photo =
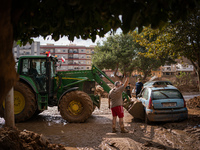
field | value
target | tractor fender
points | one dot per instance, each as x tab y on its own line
33	87
69	90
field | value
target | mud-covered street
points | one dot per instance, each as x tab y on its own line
95	133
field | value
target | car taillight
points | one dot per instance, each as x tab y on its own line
150	104
184	102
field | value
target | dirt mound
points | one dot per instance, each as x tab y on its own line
14	139
100	91
187	88
194	102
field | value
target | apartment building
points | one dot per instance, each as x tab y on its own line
89	53
28	49
76	57
182	65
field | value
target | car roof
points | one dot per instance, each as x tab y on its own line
157	81
161	87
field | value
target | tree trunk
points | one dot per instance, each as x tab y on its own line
9	109
8	75
198	77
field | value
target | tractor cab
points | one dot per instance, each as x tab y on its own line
38	70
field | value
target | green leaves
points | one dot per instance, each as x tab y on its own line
86	18
116	53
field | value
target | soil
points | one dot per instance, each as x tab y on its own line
49	131
14	139
194	102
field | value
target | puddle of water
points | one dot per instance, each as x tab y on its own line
2	122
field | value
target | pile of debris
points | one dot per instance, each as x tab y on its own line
14	139
100	91
194	102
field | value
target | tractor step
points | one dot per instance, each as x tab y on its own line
42	102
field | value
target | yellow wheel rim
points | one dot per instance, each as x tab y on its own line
19	102
75	107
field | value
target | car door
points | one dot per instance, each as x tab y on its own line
144	96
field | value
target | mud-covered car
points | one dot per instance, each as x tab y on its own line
163	103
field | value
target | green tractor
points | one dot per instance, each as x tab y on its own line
39	86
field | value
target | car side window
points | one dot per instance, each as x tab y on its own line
145	93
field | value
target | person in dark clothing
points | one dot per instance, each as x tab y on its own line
35	75
138	87
128	89
33	70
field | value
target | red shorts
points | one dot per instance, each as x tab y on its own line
118	111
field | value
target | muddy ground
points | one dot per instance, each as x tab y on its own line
50	131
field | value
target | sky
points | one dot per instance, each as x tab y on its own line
79	42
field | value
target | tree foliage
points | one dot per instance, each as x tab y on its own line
115	53
22	20
143	63
121	52
176	40
186	40
86	18
152	48
157	42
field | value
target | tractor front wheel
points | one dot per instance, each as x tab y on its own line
76	106
25	104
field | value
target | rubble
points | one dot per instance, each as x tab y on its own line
14	139
193	102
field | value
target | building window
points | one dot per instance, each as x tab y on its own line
75	51
75	55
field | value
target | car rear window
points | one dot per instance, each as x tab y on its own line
166	94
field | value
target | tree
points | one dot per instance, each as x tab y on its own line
157	42
145	64
123	53
116	53
22	19
174	40
186	40
152	48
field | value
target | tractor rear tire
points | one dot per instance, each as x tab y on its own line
25	104
76	106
